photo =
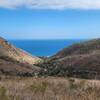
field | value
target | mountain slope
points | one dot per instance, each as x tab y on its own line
8	50
79	60
16	61
79	48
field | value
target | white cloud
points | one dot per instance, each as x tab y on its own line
51	4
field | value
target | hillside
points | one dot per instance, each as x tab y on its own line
16	61
49	88
79	48
79	60
8	50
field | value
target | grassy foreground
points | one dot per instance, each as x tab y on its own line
49	88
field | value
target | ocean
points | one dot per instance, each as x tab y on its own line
43	47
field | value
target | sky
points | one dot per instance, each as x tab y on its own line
50	19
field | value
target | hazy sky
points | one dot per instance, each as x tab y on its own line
49	19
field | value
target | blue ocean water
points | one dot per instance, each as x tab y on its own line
43	47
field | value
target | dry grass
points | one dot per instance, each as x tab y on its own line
50	88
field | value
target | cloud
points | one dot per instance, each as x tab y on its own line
51	4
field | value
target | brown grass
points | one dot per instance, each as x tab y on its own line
49	88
